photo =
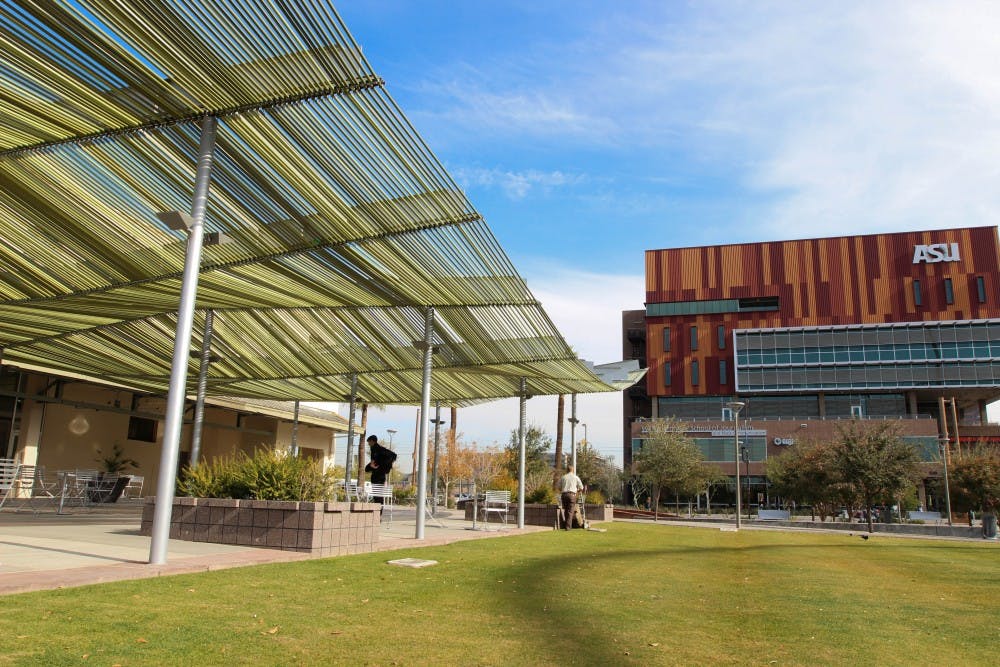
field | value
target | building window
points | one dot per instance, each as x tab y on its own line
722	372
722	337
140	428
916	293
949	293
666	339
694	372
666	375
981	289
694	338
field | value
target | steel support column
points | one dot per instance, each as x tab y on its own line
427	348
351	401
521	462
199	405
174	418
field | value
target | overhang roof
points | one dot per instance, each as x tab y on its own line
342	225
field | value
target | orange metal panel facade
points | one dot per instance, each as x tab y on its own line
830	281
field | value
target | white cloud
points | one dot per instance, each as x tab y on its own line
515	184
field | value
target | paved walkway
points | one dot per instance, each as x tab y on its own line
47	551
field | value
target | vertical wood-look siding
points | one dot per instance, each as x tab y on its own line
829	281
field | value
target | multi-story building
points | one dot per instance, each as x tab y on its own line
899	326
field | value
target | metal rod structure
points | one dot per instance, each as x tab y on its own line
351	401
736	406
295	431
434	466
425	407
174	417
947	491
954	418
199	404
521	462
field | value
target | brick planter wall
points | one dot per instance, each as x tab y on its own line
545	515
320	529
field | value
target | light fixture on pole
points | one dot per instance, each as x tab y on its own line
391	432
735	407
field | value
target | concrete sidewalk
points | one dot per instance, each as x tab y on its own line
47	551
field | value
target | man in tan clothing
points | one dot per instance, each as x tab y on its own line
570	485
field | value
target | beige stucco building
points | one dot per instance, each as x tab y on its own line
64	423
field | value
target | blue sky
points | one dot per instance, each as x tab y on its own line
588	132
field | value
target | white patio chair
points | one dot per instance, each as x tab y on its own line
495	502
28	486
8	471
134	487
382	492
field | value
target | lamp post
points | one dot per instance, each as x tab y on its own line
947	492
735	407
391	432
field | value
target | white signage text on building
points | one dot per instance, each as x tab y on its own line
936	252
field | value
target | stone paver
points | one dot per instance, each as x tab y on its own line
47	551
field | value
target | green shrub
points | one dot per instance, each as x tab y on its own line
404	496
594	497
267	475
543	495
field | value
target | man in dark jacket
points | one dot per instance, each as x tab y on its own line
381	461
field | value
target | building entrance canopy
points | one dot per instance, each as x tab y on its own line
339	228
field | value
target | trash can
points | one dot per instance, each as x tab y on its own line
990	526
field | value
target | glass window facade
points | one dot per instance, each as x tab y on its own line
917	296
949	291
694	373
722	337
981	289
694	338
666	375
723	375
666	339
931	354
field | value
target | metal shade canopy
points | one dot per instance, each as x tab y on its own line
342	228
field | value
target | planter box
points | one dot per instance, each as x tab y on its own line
536	514
320	529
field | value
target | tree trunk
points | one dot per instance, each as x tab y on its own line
557	462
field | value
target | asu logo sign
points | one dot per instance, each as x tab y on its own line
936	252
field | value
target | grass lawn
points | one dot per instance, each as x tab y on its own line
637	594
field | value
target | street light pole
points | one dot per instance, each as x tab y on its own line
735	407
745	451
391	432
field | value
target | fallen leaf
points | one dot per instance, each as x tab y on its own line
365	600
654	644
140	640
337	632
86	655
273	630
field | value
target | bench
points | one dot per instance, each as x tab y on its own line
773	515
923	516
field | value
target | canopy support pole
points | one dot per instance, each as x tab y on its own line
434	466
199	405
521	462
427	348
167	478
352	399
295	432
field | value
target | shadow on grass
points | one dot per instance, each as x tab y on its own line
578	631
